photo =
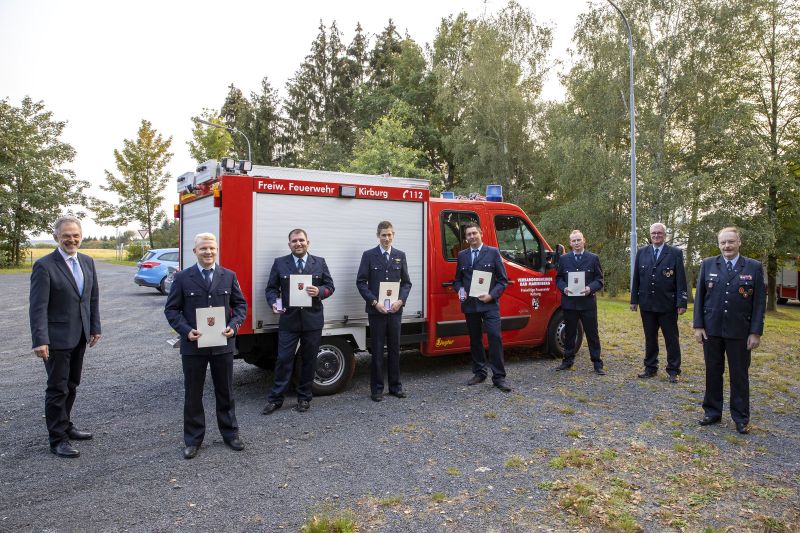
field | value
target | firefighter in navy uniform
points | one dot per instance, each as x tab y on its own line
659	292
384	263
729	319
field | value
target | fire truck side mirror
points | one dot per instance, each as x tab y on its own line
551	259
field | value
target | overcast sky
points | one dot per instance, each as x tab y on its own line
103	66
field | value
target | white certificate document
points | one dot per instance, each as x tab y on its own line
389	290
211	323
298	297
481	281
576	283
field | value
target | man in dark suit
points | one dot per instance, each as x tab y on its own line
206	284
388	264
729	319
659	291
65	317
297	324
583	305
482	311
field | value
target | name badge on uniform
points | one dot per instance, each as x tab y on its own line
746	277
668	272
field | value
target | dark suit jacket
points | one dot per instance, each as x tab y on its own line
659	287
189	292
488	260
374	269
299	318
58	314
731	304
590	264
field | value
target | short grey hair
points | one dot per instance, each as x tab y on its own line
204	237
63	220
660	225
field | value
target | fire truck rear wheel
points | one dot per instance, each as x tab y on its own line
783	301
336	363
555	335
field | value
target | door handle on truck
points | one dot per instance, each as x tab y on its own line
447	283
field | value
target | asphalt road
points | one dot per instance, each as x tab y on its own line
382	460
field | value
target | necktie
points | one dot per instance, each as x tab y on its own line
655	254
578	257
207	276
300	265
77	273
730	266
386	256
474	256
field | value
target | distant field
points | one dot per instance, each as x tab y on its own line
96	253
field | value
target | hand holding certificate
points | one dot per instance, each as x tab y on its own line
298	293
576	283
211	324
481	281
388	293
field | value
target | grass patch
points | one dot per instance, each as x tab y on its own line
452	471
574	433
567	411
770	493
438	497
490	414
390	501
515	462
573	457
325	522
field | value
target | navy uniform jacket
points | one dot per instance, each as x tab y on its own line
659	287
374	269
58	314
189	292
590	263
299	318
730	305
488	260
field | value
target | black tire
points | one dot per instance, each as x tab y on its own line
783	301
161	288
555	336
336	363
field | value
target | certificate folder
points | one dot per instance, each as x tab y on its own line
577	283
481	281
298	297
211	323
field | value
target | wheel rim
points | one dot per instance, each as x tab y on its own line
560	336
330	365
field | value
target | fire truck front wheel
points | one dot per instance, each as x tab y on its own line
336	363
555	335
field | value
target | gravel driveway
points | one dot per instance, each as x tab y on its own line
448	458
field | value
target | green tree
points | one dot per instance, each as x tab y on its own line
35	186
208	142
167	236
141	165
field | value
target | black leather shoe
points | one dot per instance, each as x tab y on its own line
708	420
270	408
190	452
599	371
75	434
235	444
477	378
65	449
742	428
398	394
303	406
647	374
377	397
563	366
673	378
502	386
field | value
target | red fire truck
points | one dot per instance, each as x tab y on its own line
252	209
787	281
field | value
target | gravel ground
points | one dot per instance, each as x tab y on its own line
386	462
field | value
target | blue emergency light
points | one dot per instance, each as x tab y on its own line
494	193
448	195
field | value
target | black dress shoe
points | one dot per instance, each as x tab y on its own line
708	420
647	374
270	408
563	366
398	394
235	444
502	386
303	406
75	434
599	371
190	452
477	378
742	428
65	449
377	397
673	378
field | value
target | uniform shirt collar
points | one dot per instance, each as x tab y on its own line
733	261
200	268
385	251
479	248
304	258
65	255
